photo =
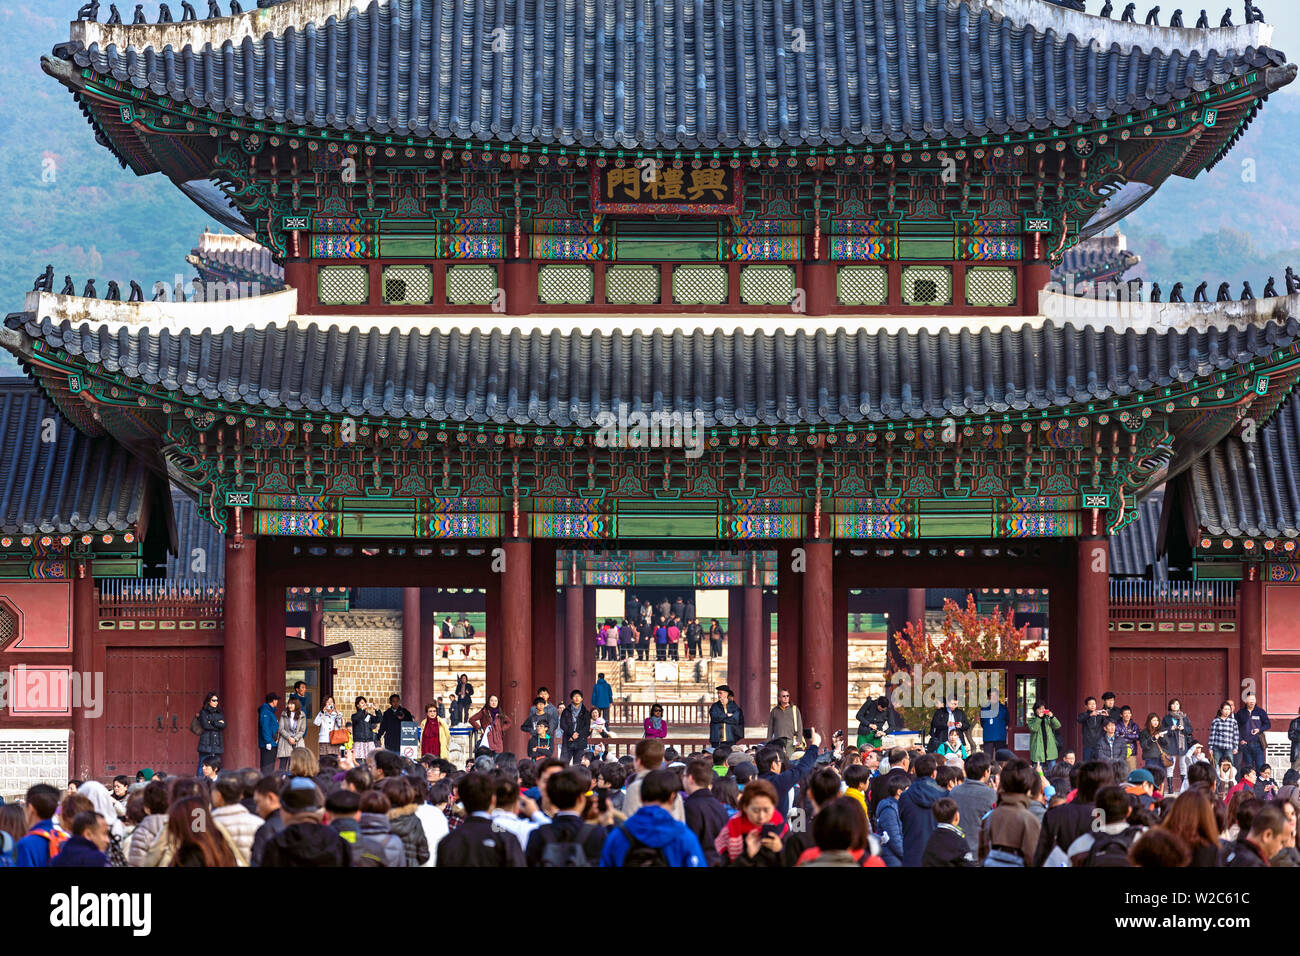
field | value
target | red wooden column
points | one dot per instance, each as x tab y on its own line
816	693
839	663
492	645
316	623
1251	622
274	620
240	654
84	624
753	694
820	294
916	606
735	644
789	621
1093	638
1036	273
516	637
428	621
574	606
411	652
543	640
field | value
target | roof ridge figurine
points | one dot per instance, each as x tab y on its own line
1224	294
45	281
1153	17
1199	294
1127	16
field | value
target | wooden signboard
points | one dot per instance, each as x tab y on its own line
648	186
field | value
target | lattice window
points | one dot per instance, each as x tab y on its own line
566	285
343	285
471	285
408	285
991	286
700	285
862	285
927	285
767	285
632	285
9	625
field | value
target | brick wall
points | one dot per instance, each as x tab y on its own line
375	670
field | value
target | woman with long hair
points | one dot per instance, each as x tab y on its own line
1179	738
365	722
655	725
102	801
293	727
1151	741
493	722
1192	819
212	730
195	839
329	719
1225	735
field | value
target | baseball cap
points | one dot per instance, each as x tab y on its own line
1141	776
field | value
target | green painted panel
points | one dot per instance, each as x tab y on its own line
677	250
961	505
656	506
377	525
119	568
909	227
955	526
378	504
408	247
666	526
1218	570
926	249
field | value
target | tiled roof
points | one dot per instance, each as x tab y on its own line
224	253
1135	550
200	550
1252	488
678	73
555	378
55	480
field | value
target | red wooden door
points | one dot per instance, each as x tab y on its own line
1147	680
152	694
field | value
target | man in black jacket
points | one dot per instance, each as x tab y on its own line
947	845
1063	825
1091	721
947	719
705	815
305	840
476	842
567	792
770	760
575	728
390	726
1252	721
726	722
1268	832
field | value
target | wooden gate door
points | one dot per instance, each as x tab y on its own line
1146	680
152	694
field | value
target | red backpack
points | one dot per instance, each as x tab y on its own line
56	838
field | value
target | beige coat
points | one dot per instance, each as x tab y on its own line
290	727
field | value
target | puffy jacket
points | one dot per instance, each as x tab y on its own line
406	825
241	825
655	827
364	725
1111	749
212	736
144	836
327	721
914	810
307	844
378	842
889	824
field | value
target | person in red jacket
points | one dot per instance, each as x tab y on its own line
840	836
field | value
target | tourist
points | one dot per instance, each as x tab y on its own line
212	731
840	836
945	720
365	726
463	703
575	728
477	841
770	762
975	797
1127	729
652	836
1252	722
435	738
1267	835
755	836
648	757
947	846
856	779
87	844
705	815
726	722
915	809
541	743
147	830
293	726
306	840
328	720
599	723
193	838
1151	742
1191	819
693	634
1288	800
1110	747
1159	849
375	829
493	722
228	811
1011	831
390	724
1091	722
42	839
1109	843
402	819
602	695
266	795
784	722
1063	824
655	725
431	818
300	695
674	638
268	732
567	840
1043	725
715	639
994	719
302	763
953	746
515	813
1293	734
1179	738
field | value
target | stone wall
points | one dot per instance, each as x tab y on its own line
32	756
375	669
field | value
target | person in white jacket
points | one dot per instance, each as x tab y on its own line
431	818
327	720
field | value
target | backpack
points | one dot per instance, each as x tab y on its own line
1110	849
196	726
55	837
641	854
567	852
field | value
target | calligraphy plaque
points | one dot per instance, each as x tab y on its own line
651	187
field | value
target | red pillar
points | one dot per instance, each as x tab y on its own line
1093	638
819	287
1251	618
789	622
516	637
84	612
519	286
492	644
1037	274
573	633
427	624
816	692
411	651
916	606
753	695
543	650
274	620
316	623
588	643
735	644
240	653
840	660
299	274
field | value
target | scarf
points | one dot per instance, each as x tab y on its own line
656	722
731	838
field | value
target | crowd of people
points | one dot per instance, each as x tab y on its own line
651	631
